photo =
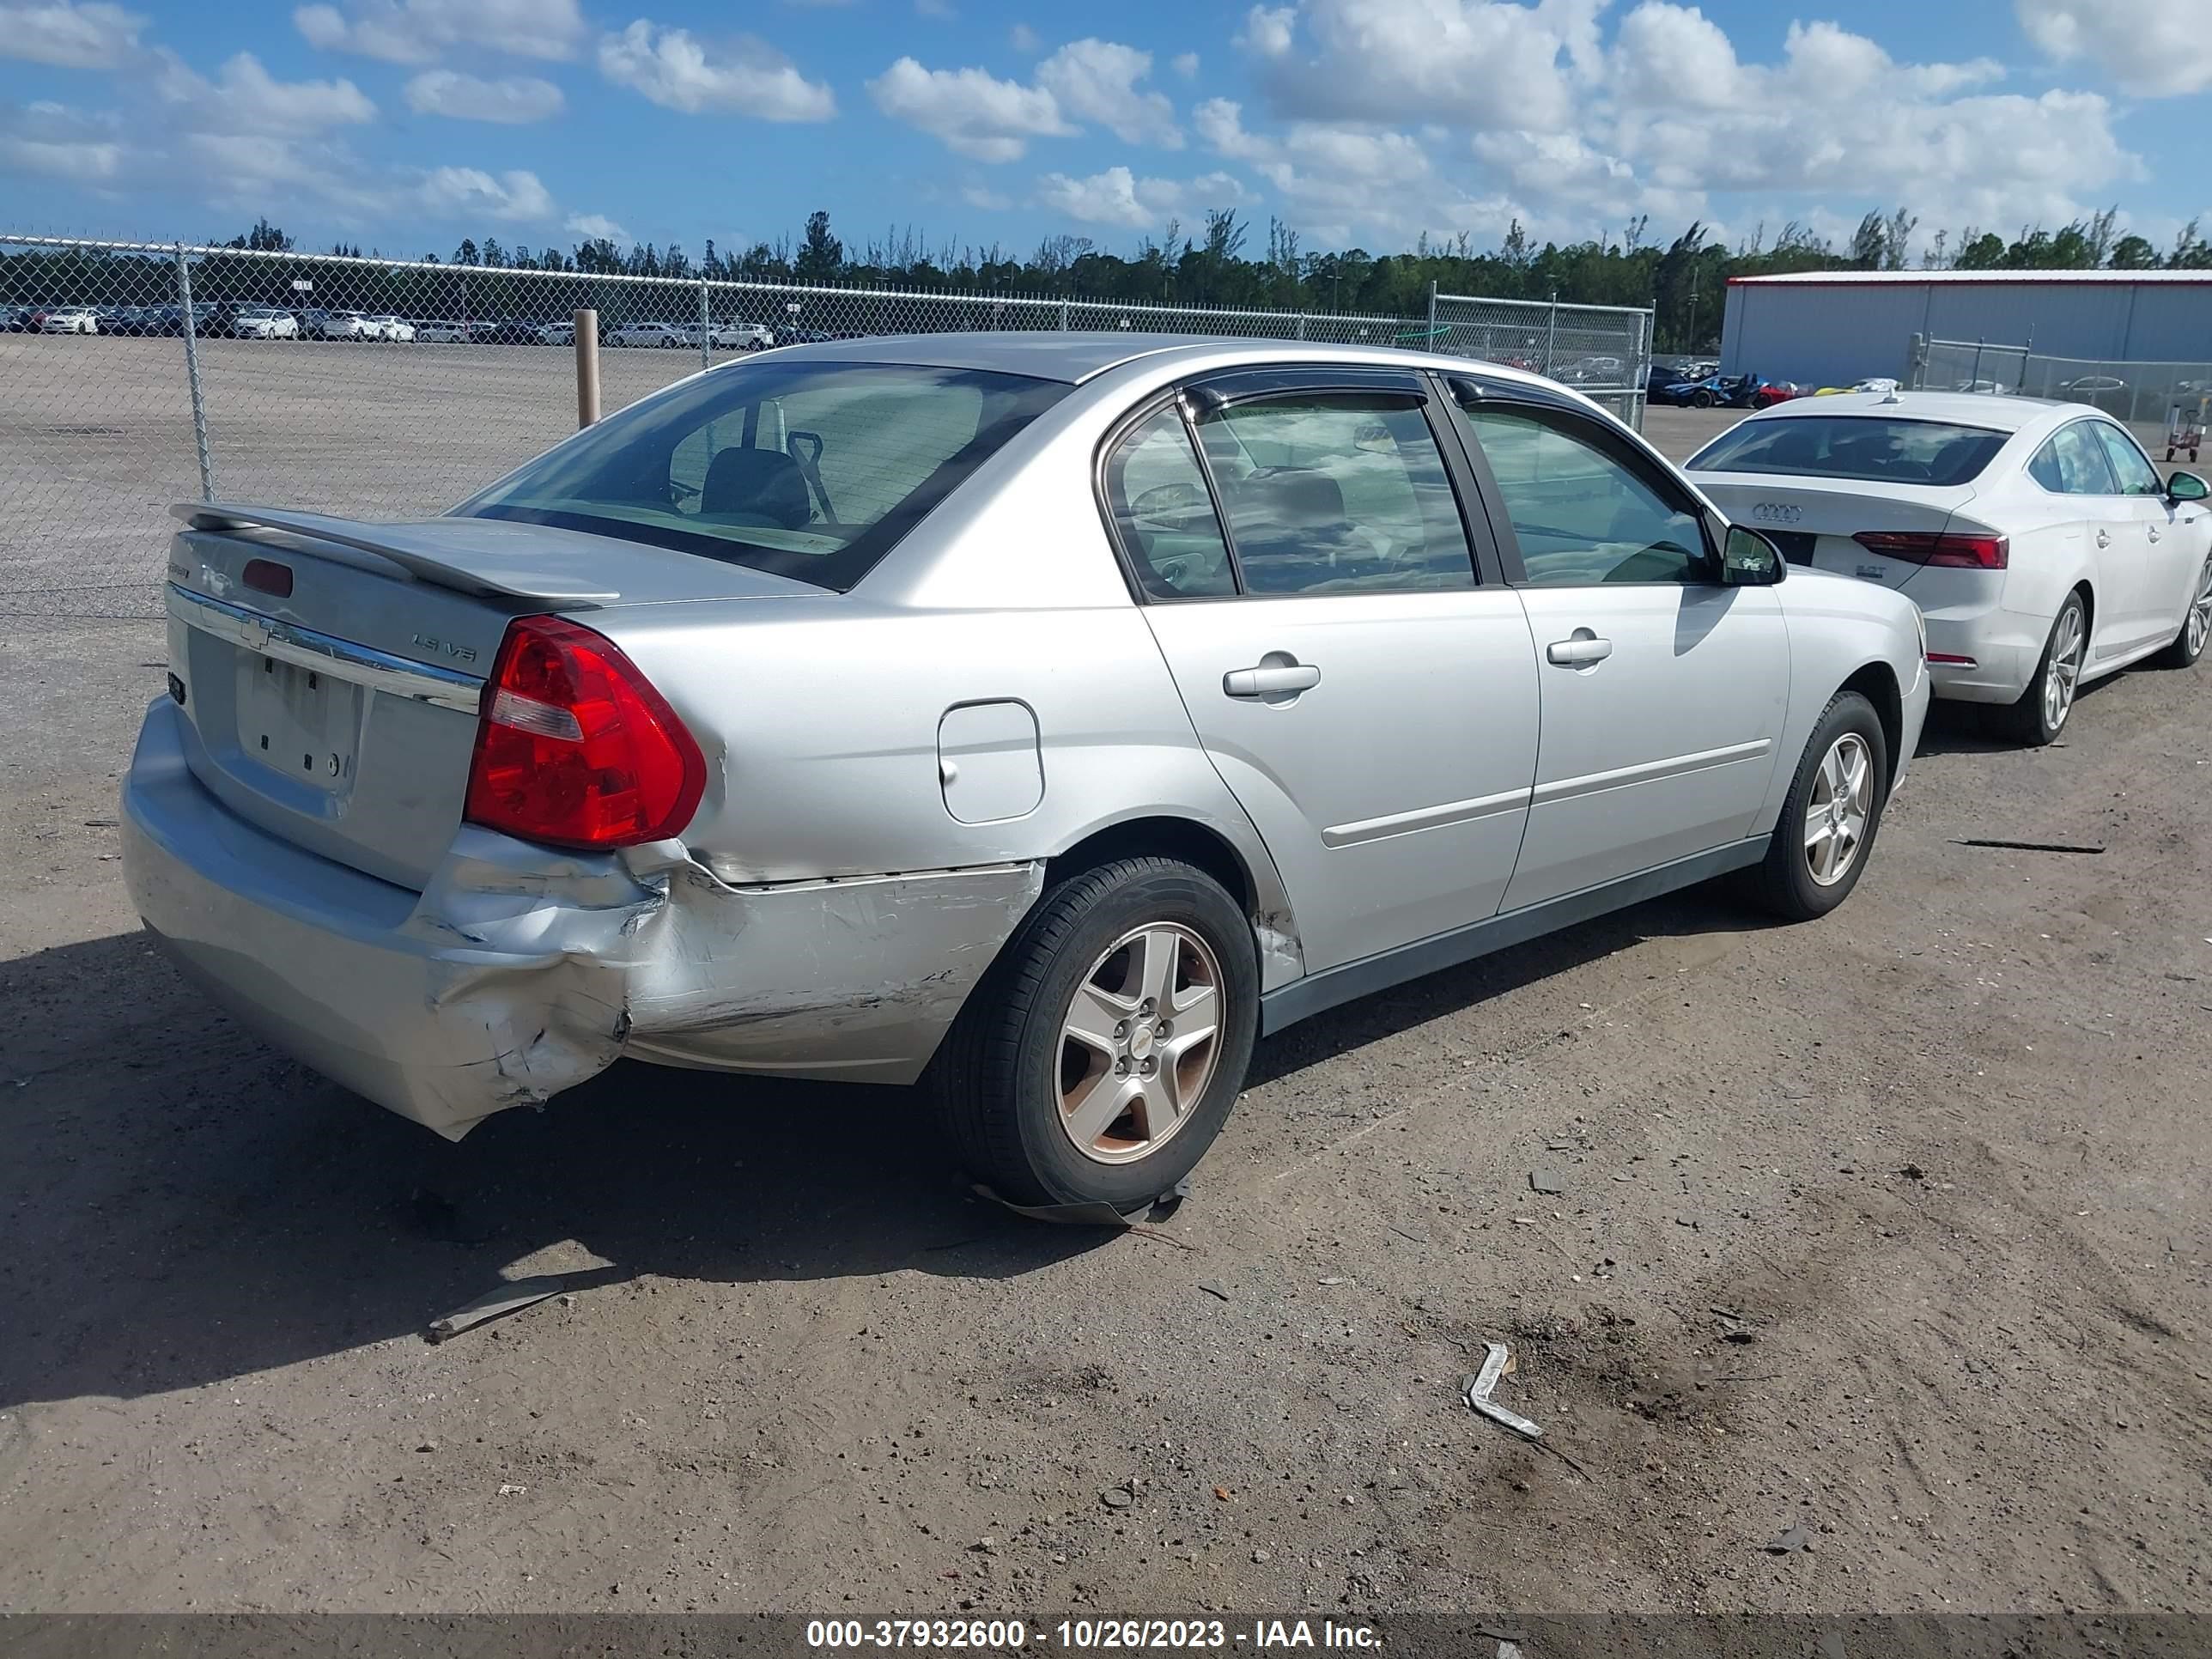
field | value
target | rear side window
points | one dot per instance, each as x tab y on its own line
2073	463
812	471
1336	493
1165	512
2136	476
1876	449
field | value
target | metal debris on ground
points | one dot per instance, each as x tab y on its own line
1475	1388
511	1295
1795	1538
1547	1181
2026	846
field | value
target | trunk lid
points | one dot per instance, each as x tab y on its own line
332	689
1813	520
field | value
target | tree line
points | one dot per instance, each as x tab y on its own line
1682	281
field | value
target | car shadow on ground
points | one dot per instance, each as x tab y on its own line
1963	728
180	1205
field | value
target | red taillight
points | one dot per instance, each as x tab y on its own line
575	748
1925	547
267	576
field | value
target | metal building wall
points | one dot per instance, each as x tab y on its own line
1833	334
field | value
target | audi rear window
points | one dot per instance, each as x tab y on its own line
1874	449
808	470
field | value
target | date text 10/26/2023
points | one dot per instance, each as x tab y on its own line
1092	1635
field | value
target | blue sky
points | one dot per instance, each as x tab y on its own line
404	124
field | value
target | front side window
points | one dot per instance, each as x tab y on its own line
1165	513
811	470
2136	476
1336	493
2073	463
1581	514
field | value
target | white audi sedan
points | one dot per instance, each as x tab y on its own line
2036	537
652	334
1050	715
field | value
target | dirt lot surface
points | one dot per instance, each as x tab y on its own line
1891	1227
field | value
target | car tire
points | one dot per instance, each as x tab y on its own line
2196	624
2042	711
1016	1076
1829	821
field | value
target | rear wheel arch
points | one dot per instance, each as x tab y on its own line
1184	840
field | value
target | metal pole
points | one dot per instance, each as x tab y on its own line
1552	332
1432	341
588	369
706	329
1063	316
192	374
1302	325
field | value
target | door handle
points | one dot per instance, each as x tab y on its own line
2104	539
1579	652
1272	680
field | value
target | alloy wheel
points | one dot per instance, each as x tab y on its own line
2200	611
2064	671
1841	808
1140	1042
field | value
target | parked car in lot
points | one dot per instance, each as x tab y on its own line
443	333
337	326
2037	538
729	336
388	327
69	319
1067	639
264	322
1770	392
650	334
555	333
1708	392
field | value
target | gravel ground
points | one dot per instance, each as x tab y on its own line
1891	1227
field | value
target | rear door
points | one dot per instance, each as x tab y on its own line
1365	687
1662	692
2151	566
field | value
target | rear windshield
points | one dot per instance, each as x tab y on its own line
807	470
1878	448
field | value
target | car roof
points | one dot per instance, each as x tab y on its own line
1077	357
1986	409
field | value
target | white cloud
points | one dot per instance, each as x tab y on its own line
597	226
1476	63
1097	81
469	193
990	201
2148	46
969	110
420	31
68	36
1185	64
747	77
1024	40
512	101
1117	196
245	97
47	140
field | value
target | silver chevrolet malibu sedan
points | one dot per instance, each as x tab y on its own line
1045	716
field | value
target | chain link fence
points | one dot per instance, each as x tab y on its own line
2145	396
133	375
1603	351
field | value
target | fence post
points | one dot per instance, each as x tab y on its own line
1302	325
1552	332
1431	342
706	327
186	326
1063	316
588	369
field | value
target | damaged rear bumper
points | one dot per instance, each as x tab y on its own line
520	971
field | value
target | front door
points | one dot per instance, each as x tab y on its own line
2145	557
1369	702
1661	693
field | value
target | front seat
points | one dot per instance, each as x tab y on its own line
760	483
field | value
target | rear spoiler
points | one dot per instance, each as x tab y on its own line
519	574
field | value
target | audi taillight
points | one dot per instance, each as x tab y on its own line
1927	547
575	748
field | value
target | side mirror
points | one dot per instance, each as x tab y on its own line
1749	560
2186	487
